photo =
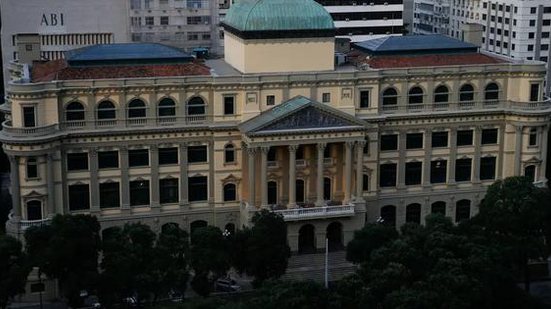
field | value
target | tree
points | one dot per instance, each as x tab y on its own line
68	251
369	238
13	269
210	258
516	213
289	294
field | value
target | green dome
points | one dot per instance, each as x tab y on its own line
269	15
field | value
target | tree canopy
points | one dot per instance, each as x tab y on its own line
14	269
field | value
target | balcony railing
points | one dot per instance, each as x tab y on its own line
328	161
29	131
25	224
272	164
465	106
138	122
301	163
296	214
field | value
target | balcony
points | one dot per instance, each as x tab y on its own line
297	214
301	163
166	121
28	131
25	224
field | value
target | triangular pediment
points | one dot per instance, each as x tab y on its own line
299	115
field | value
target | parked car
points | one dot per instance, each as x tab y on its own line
226	285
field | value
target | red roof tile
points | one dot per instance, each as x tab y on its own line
58	70
382	62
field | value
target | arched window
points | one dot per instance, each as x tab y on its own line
74	112
462	210
413	213
229	192
441	94
491	92
438	208
34	210
388	215
390	97
415	95
196	106
229	153
106	110
530	172
136	109
466	93
166	108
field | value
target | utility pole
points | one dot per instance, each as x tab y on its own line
326	263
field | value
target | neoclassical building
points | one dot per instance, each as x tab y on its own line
140	132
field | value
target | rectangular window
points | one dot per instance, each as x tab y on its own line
109	195
438	171
440	139
487	168
138	157
414	140
79	197
197	154
32	168
463	169
464	137
389	142
139	193
77	161
29	120
168	156
533	137
149	21
326	97
534	92
164	20
489	136
387	177
270	100
413	173
198	188
229	105
364	99
108	159
168	190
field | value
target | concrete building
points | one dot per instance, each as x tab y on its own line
415	125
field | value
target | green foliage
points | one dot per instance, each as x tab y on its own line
13	269
369	238
68	251
5	208
289	294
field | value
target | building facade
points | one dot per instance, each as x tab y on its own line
393	137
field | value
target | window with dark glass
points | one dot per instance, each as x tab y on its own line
365	182
364	99
414	140
79	197
491	92
413	173
139	192
197	154
32	168
413	213
74	111
77	161
388	215
198	188
229	153
438	171
136	109
168	190
415	95
463	169
387	177
464	137
196	106
108	159
462	210
326	97
439	139
168	156
530	172
229	192
34	210
489	136
390	97
167	108
389	142
534	92
229	105
438	208
109	195
466	93
487	168
106	110
270	100
441	94
29	120
138	157
300	153
533	137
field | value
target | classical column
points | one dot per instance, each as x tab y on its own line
94	184
125	189
292	176
154	168
360	170
401	160
319	182
453	156
518	149
427	142
347	171
264	176
50	184
184	200
251	151
15	188
477	150
543	147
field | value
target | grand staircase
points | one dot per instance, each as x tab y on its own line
312	267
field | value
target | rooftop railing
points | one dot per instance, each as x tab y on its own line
295	214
